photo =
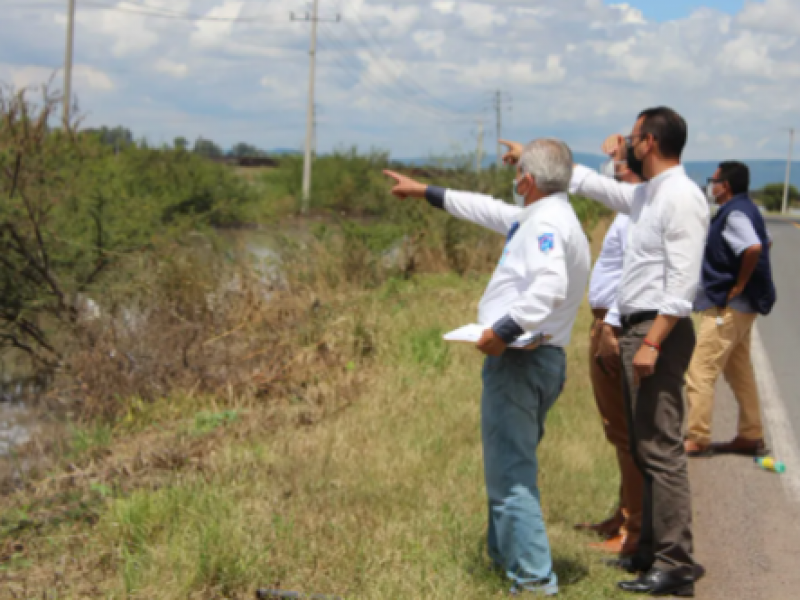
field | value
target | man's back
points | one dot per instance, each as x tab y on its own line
549	229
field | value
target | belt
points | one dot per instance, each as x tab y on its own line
636	318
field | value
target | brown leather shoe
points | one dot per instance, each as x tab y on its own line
695	450
607	529
742	446
613	545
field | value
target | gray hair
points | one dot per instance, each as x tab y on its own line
550	163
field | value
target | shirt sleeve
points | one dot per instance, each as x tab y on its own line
685	224
613	317
547	288
483	210
739	233
615	195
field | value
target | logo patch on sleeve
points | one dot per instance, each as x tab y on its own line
547	242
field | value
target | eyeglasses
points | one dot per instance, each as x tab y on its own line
712	180
629	139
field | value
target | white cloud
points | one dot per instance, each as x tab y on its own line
413	76
430	41
445	7
94	79
630	15
730	104
780	16
169	67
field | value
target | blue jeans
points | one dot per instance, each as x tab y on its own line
519	388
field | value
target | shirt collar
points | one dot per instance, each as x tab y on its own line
530	211
669	173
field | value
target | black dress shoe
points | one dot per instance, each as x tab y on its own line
661	583
632	564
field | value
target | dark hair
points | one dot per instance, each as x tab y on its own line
737	175
668	128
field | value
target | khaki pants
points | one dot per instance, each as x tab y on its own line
611	405
722	349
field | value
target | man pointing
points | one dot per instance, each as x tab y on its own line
537	287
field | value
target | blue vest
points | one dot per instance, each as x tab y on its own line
721	265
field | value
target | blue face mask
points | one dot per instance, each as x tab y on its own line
519	199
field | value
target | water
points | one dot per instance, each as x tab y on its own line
20	420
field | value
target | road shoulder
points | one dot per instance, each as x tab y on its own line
747	530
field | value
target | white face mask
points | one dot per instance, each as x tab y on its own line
519	199
609	168
710	193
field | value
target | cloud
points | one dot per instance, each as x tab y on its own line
778	16
171	68
94	79
414	76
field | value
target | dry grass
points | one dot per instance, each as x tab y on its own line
363	478
382	500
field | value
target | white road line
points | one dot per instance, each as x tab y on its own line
783	440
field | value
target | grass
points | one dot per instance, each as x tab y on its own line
381	500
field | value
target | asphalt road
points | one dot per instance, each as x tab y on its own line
747	521
780	332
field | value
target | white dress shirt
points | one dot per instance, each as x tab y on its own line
607	273
541	278
669	220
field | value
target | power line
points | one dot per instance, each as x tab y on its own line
400	100
406	78
153	11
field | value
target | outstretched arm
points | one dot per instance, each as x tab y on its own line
477	208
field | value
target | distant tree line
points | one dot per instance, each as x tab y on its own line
120	137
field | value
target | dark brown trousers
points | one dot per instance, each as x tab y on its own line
656	413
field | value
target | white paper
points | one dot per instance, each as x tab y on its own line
471	334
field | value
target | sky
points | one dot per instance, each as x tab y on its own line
418	77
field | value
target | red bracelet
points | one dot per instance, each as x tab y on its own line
652	345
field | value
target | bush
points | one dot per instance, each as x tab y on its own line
771	196
72	209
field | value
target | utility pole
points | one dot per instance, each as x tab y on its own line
788	173
68	62
479	152
501	101
314	19
314	143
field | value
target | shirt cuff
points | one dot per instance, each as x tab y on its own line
672	306
508	330
579	175
435	196
613	319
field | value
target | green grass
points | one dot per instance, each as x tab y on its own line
382	500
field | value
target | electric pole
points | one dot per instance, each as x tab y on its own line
479	152
314	19
68	62
501	102
788	173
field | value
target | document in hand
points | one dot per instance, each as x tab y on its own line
471	334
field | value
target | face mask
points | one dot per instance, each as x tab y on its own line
609	169
519	199
636	165
710	193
